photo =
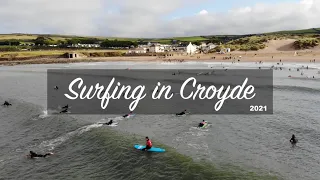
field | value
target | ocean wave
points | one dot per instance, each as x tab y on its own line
296	88
51	144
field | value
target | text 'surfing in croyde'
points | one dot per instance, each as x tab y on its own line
137	94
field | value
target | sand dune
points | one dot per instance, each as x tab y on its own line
284	45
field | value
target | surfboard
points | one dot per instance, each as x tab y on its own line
130	116
204	126
113	124
153	149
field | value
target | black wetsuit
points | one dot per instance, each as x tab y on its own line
33	155
182	113
147	147
293	140
6	104
126	115
109	123
64	111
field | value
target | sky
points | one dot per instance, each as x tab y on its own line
156	18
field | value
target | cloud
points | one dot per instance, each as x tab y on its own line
147	18
203	12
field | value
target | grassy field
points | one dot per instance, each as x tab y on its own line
302	31
27	37
161	40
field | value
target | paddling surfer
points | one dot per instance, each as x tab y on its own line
108	123
202	123
127	114
182	113
33	154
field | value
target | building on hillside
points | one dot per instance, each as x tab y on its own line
156	48
203	45
191	49
208	47
85	45
139	50
179	48
211	46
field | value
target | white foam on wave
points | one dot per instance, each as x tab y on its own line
51	144
44	114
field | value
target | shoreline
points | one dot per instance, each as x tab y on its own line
250	57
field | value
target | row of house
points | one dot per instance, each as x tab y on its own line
160	48
85	45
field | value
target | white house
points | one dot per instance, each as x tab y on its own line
156	48
138	50
211	46
191	48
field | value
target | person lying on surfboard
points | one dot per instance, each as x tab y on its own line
182	113
33	154
148	144
127	114
202	123
108	123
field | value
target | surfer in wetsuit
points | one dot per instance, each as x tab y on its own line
148	144
182	113
202	123
293	139
33	154
127	114
108	123
65	109
6	103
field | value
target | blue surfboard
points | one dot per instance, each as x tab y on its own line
153	149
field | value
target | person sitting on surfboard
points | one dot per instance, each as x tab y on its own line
293	139
182	113
127	114
202	123
33	154
148	144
